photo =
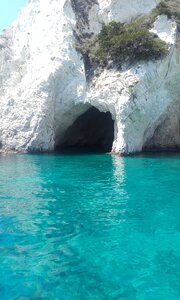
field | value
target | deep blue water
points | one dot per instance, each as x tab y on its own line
89	227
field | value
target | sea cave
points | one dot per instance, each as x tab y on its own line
92	131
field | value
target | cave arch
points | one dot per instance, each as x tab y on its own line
92	131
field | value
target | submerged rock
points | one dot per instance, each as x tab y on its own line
44	88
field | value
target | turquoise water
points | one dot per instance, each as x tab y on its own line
89	227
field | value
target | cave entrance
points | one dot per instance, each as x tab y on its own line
93	131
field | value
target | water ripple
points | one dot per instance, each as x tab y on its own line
89	227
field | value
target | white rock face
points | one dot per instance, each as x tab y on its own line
46	77
166	30
43	84
142	98
119	11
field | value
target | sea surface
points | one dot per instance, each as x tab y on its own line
90	227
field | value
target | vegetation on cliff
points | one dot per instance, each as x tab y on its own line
171	8
119	43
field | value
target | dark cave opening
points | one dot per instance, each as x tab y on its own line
93	131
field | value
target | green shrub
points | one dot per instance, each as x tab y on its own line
118	43
163	9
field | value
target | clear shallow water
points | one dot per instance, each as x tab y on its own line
89	227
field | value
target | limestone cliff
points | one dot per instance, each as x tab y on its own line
44	87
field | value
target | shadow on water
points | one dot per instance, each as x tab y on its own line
156	154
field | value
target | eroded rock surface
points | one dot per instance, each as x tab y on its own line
44	88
